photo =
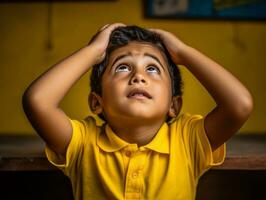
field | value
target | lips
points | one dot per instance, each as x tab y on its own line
139	93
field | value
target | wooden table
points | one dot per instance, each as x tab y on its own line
19	153
25	172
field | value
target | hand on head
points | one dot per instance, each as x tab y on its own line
100	40
173	44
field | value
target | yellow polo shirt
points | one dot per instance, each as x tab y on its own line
101	165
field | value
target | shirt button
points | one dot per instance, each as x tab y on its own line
128	153
134	175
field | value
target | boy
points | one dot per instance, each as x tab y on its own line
136	90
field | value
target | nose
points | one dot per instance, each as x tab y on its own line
138	78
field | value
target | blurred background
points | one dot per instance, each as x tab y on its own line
36	35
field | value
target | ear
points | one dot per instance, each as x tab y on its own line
175	107
95	103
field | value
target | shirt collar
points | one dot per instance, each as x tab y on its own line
160	142
108	141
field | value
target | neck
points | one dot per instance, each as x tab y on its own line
139	133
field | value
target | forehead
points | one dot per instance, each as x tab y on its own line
140	49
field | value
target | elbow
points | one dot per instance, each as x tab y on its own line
245	107
33	101
27	97
30	100
27	100
248	105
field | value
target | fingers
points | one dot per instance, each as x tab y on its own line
102	28
111	27
152	29
159	32
107	27
101	39
155	30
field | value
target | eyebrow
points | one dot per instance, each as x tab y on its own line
145	54
120	57
155	58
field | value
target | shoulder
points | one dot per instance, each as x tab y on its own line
186	120
187	127
86	123
188	131
86	127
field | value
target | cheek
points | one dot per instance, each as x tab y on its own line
112	89
164	85
166	97
165	90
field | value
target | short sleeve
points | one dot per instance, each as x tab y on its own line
80	129
201	155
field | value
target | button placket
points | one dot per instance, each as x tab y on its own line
135	175
130	150
128	153
134	180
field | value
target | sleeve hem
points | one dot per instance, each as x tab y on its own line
216	157
53	158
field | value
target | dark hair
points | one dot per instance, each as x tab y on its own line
120	37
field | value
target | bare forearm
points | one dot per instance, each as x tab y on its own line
41	99
234	102
227	91
50	88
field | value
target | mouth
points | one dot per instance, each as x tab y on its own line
139	94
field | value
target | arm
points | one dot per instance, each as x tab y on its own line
41	99
234	102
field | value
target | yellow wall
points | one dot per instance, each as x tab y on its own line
238	46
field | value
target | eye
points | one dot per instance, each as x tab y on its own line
122	68
153	69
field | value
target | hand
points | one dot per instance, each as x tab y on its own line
174	45
100	40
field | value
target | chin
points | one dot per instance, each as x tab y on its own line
143	115
139	112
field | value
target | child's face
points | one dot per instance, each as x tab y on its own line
136	84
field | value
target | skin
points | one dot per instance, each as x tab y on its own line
41	100
234	102
136	119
